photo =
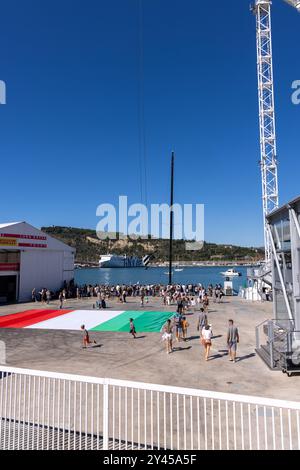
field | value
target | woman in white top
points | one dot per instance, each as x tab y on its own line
206	336
168	336
193	304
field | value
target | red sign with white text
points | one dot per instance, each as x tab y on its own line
12	239
25	237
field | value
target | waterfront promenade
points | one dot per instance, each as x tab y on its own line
120	356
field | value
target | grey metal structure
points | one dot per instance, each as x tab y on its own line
284	229
282	334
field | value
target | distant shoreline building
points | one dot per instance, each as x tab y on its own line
29	258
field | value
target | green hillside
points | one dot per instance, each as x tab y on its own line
89	247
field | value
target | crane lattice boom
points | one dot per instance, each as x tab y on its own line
268	161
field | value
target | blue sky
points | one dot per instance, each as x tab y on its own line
69	134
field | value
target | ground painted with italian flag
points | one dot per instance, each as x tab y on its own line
95	320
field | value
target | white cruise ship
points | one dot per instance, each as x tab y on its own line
116	261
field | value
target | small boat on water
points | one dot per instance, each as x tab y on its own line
178	270
231	273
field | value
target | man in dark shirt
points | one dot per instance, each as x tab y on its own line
178	326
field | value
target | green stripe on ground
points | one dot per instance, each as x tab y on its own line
119	323
144	322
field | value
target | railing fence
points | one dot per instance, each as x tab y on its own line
44	410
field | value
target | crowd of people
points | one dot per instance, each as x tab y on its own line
45	296
179	325
187	295
189	299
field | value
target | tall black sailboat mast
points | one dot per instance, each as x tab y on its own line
171	219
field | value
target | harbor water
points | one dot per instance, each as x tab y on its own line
159	275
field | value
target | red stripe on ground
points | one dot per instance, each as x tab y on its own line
16	315
29	317
24	313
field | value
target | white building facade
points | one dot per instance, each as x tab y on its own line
29	258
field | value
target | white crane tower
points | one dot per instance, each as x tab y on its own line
262	10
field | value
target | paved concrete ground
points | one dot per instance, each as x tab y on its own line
144	359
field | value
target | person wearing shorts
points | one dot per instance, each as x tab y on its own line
206	336
185	325
205	303
168	337
86	337
233	339
132	330
201	322
178	326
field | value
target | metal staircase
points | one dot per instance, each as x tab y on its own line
274	345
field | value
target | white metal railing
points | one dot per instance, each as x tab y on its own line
46	410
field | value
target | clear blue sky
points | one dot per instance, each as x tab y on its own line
69	134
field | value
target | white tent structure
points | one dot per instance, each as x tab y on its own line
29	258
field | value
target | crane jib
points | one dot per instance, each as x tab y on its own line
294	3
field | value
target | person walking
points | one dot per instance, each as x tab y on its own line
178	326
205	303
43	296
193	304
142	298
185	325
214	295
233	338
132	328
168	336
179	305
48	296
98	301
61	299
33	295
86	338
206	336
202	320
103	302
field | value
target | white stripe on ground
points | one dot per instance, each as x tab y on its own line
74	320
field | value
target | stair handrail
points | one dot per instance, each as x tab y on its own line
257	332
